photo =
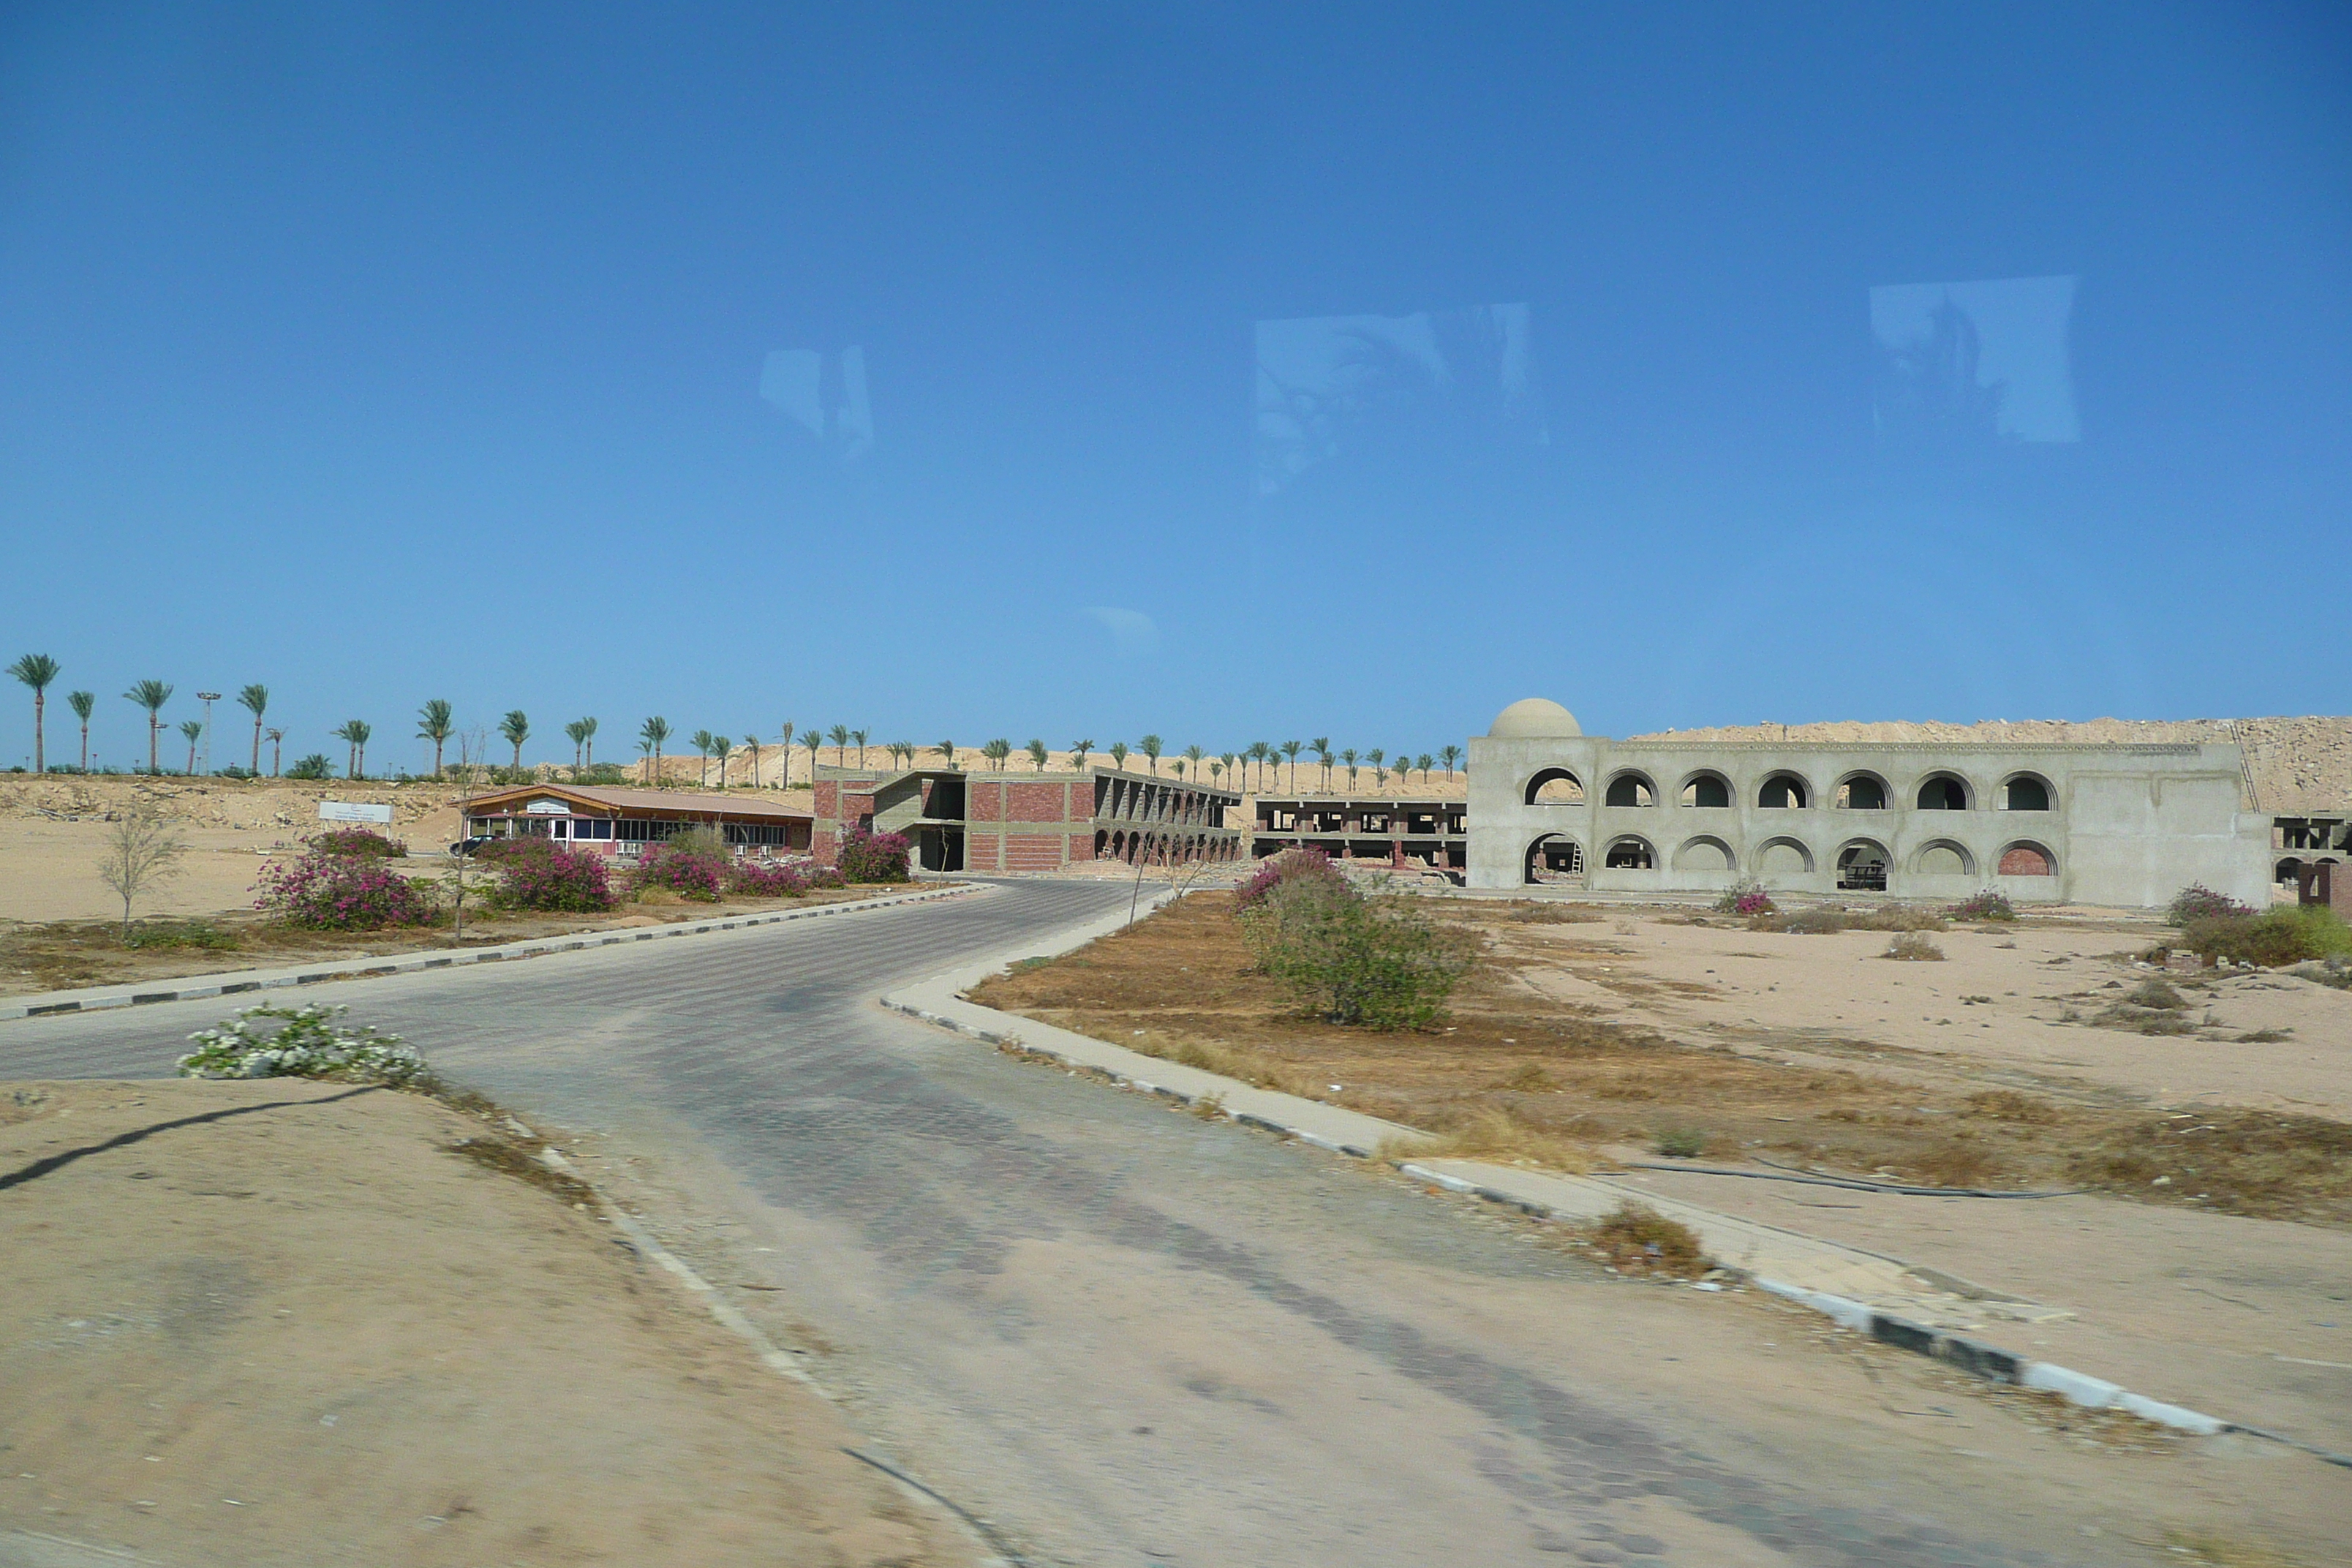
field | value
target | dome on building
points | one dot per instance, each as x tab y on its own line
1534	719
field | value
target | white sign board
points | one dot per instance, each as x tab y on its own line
354	811
550	807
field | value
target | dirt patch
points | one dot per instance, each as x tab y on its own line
1516	1071
328	1323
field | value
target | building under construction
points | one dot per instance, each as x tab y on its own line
998	821
1401	834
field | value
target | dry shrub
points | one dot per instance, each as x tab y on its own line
1897	917
1530	1080
2008	1105
1253	1067
1545	913
1804	922
1959	1161
2271	1164
1642	1240
1914	947
2158	994
1492	1133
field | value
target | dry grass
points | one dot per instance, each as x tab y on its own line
1511	1076
1492	1133
1643	1241
1914	947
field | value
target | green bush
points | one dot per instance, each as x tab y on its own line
1355	960
2273	938
314	766
359	842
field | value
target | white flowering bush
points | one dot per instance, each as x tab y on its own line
307	1043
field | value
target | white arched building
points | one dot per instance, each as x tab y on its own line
2124	824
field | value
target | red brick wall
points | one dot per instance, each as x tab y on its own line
828	798
983	801
1032	852
980	852
1082	847
1036	802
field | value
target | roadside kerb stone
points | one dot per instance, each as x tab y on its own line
99	998
1802	1269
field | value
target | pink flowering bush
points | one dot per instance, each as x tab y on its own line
873	857
765	881
689	869
2198	902
1987	905
541	874
363	842
1300	865
1747	899
342	892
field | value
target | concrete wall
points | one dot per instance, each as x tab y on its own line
2126	825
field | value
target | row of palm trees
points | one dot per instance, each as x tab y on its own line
40	671
1250	768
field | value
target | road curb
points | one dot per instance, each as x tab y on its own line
198	987
1007	1031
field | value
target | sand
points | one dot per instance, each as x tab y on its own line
307	1332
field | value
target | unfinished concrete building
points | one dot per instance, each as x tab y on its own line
2118	825
1040	821
1404	833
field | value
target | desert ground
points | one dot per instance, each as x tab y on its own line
287	1322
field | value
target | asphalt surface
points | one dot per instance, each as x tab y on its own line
1125	1335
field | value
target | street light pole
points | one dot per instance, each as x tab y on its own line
208	699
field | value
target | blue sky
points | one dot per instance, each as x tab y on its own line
381	353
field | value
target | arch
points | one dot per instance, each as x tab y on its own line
1555	858
2024	858
1779	858
1861	790
1862	866
1632	787
1554	786
2025	792
1944	857
1706	853
1631	852
1783	792
1102	841
1944	792
2289	871
1706	790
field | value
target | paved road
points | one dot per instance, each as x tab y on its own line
1131	1337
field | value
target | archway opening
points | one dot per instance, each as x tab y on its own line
1556	859
1862	869
2026	792
1782	792
1630	854
1864	791
1707	791
1630	789
1554	786
1942	792
2027	860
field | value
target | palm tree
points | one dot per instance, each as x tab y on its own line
650	736
356	732
1193	755
588	738
785	740
1217	770
752	744
255	700
1149	747
83	702
1321	747
1348	757
1178	761
277	740
1291	749
1118	753
1422	761
36	670
905	750
1256	753
1379	773
1036	750
1451	754
152	695
840	738
1229	759
577	733
1266	756
700	741
516	728
996	752
814	740
436	722
721	745
947	749
859	736
193	731
1078	750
